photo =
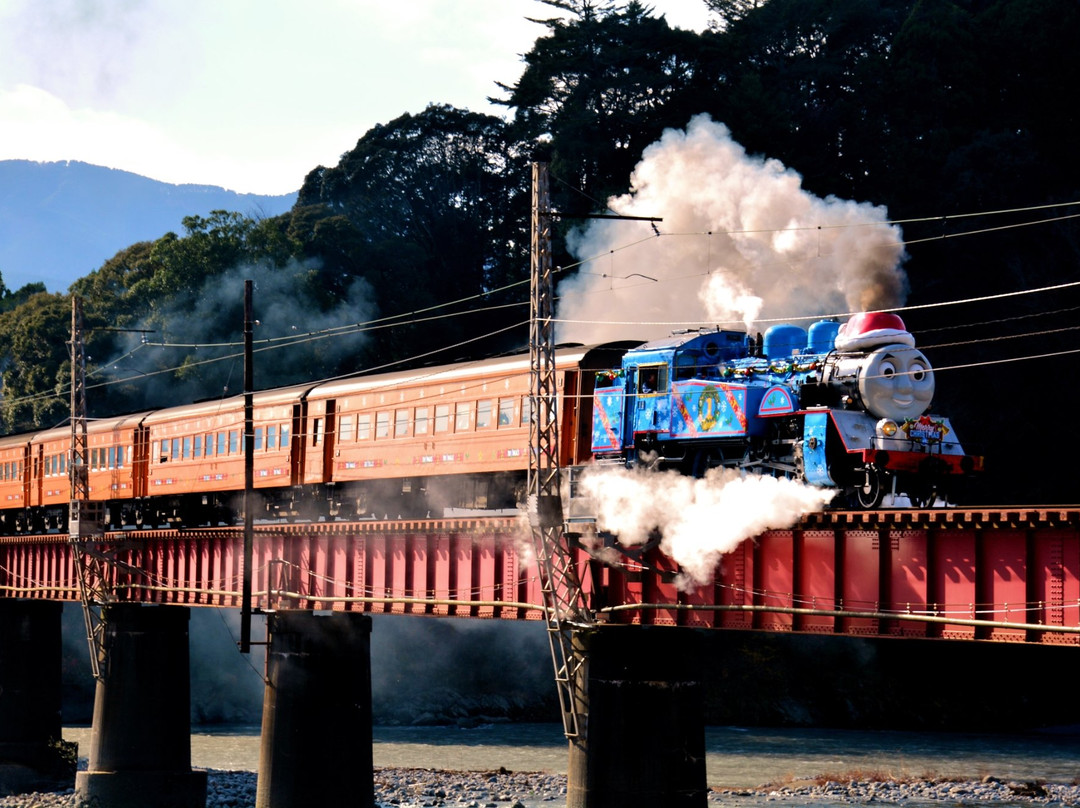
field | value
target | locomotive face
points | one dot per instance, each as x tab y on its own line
896	382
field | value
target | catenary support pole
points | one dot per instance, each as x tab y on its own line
316	728
140	744
32	755
643	742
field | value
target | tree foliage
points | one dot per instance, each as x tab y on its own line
430	208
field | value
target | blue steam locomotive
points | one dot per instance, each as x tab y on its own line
838	406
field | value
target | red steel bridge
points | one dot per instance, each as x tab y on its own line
1009	574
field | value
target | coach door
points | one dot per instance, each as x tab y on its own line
318	442
37	475
297	443
140	461
329	440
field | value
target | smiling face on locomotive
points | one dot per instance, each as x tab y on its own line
896	382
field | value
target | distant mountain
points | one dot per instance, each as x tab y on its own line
61	221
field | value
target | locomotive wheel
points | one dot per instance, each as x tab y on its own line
925	497
868	495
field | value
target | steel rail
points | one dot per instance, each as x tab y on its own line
809	612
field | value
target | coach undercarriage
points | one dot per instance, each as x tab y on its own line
386	499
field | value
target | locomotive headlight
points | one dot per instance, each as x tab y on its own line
887	427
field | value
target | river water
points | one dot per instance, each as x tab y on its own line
736	757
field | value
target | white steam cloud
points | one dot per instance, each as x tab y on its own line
741	241
699	519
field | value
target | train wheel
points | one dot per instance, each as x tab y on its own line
926	497
868	495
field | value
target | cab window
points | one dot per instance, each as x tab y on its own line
652	379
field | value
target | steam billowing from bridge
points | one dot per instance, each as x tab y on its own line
698	519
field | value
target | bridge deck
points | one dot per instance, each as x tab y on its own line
1010	575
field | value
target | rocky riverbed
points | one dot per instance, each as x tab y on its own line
421	788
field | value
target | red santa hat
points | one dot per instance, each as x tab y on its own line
872	328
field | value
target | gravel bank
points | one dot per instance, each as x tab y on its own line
421	788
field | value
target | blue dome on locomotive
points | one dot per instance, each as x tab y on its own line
784	341
822	338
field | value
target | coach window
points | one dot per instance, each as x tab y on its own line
462	416
483	413
258	438
221	444
112	457
345	432
234	441
196	446
421	425
382	425
526	409
363	427
187	449
284	442
271	437
317	427
442	417
506	411
209	444
401	423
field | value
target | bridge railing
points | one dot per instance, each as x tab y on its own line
1009	576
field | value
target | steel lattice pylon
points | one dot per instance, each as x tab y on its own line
564	605
84	516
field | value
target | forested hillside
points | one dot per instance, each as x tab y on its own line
60	221
951	115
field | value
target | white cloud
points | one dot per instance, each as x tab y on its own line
246	93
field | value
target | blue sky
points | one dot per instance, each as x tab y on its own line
248	94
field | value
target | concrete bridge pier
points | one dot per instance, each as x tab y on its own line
643	738
32	754
316	727
140	743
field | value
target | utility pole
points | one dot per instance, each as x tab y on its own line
249	474
564	606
